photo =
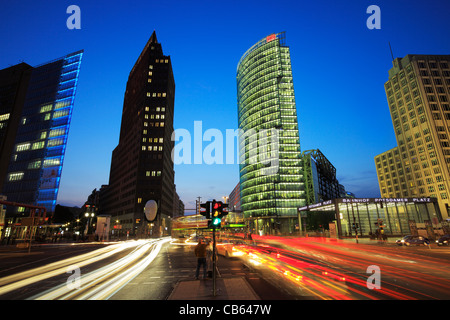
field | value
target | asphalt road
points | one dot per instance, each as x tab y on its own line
277	269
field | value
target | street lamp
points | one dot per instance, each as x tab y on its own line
88	222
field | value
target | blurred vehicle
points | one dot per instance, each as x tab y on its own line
410	240
444	240
229	248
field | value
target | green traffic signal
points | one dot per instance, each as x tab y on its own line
216	222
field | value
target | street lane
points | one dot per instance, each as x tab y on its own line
89	269
321	268
277	268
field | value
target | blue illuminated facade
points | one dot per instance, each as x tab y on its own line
36	162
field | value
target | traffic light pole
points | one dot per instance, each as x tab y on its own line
214	261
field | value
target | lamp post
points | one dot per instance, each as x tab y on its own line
88	222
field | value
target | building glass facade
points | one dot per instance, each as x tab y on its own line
271	176
397	216
320	177
37	157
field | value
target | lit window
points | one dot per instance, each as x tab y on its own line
4	116
52	143
57	132
144	148
16	176
46	108
34	164
53	162
139	200
164	94
23	147
60	113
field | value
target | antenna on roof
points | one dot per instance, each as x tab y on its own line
392	55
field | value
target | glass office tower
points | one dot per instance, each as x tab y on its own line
37	155
271	176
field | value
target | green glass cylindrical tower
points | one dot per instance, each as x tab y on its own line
271	175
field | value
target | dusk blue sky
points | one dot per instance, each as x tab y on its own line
339	69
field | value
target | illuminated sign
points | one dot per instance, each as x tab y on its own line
271	37
366	200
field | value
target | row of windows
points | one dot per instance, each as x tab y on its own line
155	140
15	176
153	173
156	94
433	64
157	109
152	124
152	148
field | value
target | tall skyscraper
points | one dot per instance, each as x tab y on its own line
418	94
271	176
35	112
141	164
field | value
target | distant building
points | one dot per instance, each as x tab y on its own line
178	206
35	112
141	164
234	199
418	95
321	183
368	216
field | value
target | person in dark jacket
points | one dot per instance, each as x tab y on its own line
200	253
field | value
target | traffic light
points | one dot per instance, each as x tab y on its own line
218	212
205	209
